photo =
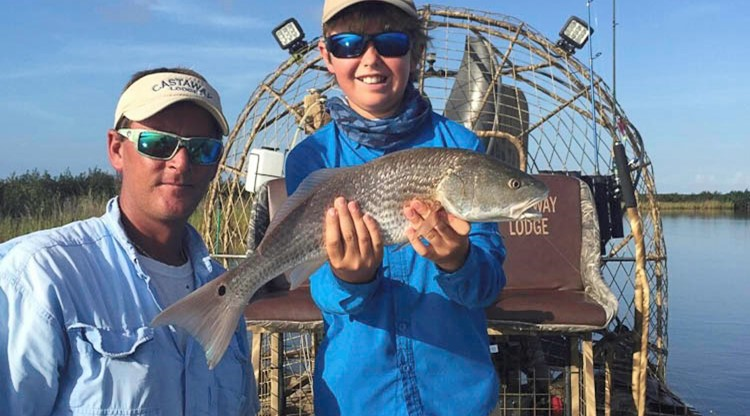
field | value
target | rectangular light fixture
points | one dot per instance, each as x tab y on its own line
289	35
576	32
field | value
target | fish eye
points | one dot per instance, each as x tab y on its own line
514	183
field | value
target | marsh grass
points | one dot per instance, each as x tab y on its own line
53	215
37	200
693	206
705	201
73	209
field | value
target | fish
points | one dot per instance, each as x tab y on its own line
470	185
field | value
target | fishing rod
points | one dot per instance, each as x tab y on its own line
614	60
642	295
593	91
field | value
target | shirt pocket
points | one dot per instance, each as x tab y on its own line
232	376
110	371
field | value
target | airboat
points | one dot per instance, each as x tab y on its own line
595	342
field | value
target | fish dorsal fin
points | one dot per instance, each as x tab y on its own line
300	196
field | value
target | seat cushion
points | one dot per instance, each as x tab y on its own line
284	310
546	307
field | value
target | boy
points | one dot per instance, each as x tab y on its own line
405	331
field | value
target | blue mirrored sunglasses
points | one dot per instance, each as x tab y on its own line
164	146
352	45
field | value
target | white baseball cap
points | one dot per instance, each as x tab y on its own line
155	92
331	7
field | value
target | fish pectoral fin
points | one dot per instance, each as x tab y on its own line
429	222
429	219
209	314
299	274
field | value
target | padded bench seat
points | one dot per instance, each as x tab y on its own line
284	311
554	281
546	307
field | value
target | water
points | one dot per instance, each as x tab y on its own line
709	298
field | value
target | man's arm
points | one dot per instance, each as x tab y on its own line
31	351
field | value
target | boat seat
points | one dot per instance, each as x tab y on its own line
554	280
553	273
275	308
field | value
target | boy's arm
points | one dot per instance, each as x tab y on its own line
335	296
479	281
331	294
467	258
31	351
300	163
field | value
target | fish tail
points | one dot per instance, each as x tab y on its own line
210	314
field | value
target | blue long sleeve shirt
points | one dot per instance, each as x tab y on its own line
75	308
414	340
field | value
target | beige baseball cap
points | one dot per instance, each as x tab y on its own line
331	7
155	92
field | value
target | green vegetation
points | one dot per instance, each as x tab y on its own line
34	201
706	201
35	194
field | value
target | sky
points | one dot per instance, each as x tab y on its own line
681	71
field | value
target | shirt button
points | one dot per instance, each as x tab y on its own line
402	327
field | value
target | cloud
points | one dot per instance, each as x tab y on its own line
718	182
61	67
134	11
60	154
32	111
740	181
702	180
90	57
192	13
697	11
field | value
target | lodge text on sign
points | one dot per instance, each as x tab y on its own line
539	226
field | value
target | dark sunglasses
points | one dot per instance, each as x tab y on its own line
163	146
353	45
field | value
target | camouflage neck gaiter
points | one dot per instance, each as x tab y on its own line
382	133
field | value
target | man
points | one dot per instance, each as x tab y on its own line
76	301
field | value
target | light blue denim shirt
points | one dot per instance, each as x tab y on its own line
414	340
75	308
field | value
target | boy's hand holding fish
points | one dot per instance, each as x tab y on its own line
448	236
355	247
353	242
